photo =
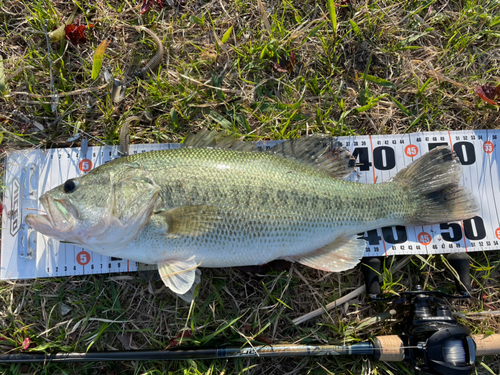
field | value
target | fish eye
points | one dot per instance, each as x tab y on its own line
69	186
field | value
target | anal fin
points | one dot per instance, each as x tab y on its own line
342	254
180	276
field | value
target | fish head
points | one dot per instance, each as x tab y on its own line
101	210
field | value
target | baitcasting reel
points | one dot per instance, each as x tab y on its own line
431	338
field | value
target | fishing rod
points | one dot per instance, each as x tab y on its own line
431	338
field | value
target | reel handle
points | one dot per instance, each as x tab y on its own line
388	348
461	263
370	267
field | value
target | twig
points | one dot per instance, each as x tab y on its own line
157	58
55	99
343	299
264	16
440	76
125	135
60	95
203	84
330	306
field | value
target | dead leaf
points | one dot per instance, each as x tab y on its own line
126	341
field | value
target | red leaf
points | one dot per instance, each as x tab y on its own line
26	343
146	4
245	328
285	65
181	336
489	94
74	33
263	339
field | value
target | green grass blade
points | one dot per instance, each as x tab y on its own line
198	21
487	368
314	31
365	73
401	106
355	27
380	81
224	327
220	120
424	86
99	333
3	86
98	55
333	16
226	35
365	107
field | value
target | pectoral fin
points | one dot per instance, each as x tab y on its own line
340	255
190	220
179	275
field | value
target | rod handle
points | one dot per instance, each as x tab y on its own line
388	348
487	344
461	263
370	267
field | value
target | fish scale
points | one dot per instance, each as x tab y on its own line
222	204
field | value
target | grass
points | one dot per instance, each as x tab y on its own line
377	67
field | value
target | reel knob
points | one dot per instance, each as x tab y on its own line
370	267
461	263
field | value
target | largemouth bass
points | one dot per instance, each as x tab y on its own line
223	204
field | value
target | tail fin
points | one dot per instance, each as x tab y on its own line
433	180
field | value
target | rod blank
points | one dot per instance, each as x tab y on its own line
386	348
283	350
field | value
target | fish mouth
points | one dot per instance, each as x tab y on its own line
57	220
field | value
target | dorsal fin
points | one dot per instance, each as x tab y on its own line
203	139
321	151
219	140
318	150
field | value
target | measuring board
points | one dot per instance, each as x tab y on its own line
26	253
